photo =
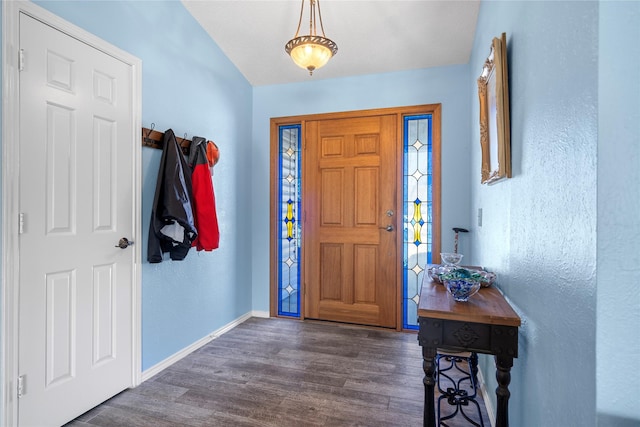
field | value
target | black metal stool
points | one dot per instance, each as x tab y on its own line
457	375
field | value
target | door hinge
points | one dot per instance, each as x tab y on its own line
21	60
21	223
22	385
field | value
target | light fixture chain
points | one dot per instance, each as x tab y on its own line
299	20
312	18
320	14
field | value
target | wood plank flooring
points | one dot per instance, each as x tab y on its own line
279	372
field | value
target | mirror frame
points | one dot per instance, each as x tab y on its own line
493	93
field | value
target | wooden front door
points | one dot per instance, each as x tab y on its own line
351	219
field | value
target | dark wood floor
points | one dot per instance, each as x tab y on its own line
279	372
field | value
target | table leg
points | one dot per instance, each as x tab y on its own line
503	376
429	367
474	367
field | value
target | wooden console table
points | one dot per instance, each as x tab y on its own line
485	324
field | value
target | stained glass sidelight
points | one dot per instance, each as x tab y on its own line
418	202
289	229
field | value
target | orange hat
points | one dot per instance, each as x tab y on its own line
213	153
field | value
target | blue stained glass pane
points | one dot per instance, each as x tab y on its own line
418	194
412	285
423	188
412	314
289	228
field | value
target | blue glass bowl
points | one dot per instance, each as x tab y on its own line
462	288
442	273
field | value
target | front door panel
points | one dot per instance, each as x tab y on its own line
350	223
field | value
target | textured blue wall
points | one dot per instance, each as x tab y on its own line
539	228
188	85
445	85
618	338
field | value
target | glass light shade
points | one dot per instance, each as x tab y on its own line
311	52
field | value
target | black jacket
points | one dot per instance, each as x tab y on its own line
172	228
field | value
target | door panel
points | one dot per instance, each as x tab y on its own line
76	184
350	184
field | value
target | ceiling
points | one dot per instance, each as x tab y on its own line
375	36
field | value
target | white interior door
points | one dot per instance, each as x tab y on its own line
76	185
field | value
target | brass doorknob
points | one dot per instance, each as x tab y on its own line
124	243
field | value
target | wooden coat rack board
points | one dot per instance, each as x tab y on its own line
154	139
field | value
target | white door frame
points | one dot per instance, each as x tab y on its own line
10	192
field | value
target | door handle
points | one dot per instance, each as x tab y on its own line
388	227
124	243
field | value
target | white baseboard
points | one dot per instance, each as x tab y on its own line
196	345
486	398
264	314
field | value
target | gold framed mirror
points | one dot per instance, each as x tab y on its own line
493	93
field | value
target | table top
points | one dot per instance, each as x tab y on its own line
487	306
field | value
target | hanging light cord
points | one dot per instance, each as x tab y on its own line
320	13
312	19
299	20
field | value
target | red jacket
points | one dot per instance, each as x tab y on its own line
203	201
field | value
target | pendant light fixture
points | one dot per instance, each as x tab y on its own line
311	51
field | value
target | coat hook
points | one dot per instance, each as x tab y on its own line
184	145
147	140
151	129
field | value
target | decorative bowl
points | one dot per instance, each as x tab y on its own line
450	258
462	288
487	278
458	273
436	272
